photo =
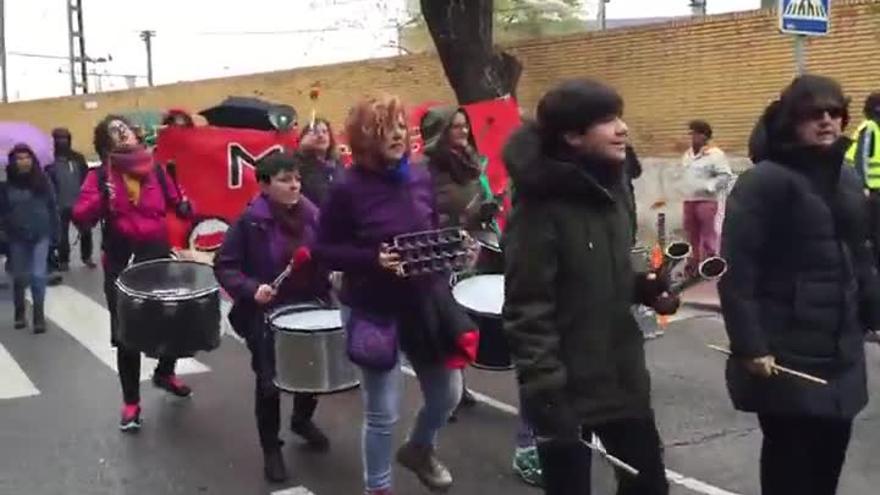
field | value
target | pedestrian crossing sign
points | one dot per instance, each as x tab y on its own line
804	17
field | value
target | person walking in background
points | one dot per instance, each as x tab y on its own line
68	172
569	287
864	155
801	290
321	166
464	201
706	176
30	220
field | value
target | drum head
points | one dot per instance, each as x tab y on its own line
482	294
306	319
168	280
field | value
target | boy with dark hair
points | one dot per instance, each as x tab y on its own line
569	287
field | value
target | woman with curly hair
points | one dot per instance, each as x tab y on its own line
129	195
381	196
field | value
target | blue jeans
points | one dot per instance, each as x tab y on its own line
441	389
27	261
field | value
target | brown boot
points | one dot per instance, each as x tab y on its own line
423	462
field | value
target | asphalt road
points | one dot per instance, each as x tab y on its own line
59	406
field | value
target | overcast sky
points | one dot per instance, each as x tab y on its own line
197	39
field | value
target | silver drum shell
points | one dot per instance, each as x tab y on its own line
308	358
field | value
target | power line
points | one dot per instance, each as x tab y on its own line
98	60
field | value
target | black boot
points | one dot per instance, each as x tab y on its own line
309	431
274	467
18	299
39	320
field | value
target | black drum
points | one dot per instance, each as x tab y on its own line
168	308
482	296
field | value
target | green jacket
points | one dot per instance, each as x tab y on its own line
569	285
456	177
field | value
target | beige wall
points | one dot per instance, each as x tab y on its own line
720	68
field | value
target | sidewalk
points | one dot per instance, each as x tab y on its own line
702	296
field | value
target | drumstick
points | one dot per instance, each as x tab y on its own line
594	445
778	367
280	278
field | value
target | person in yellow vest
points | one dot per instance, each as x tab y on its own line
864	154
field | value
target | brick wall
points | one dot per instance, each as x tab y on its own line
721	68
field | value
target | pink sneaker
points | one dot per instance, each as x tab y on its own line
131	418
173	385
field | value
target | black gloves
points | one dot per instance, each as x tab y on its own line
488	211
653	291
184	210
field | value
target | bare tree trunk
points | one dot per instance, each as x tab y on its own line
462	33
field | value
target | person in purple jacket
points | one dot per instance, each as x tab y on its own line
383	195
277	226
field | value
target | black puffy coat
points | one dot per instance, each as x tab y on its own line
802	284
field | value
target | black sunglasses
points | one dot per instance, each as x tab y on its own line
818	112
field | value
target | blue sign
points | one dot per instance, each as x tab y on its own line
806	17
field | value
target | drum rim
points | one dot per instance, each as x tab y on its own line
152	297
301	308
474	311
495	248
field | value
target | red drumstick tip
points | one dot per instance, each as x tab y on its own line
301	256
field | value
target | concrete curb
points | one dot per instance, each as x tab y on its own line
703	306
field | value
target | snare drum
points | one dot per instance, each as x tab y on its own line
168	308
310	350
482	296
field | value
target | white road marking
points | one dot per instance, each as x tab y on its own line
89	323
297	490
673	476
14	383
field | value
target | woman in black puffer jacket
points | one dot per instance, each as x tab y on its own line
801	291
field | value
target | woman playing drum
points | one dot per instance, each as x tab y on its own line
130	196
381	196
277	224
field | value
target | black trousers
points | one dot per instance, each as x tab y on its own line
566	463
267	397
874	222
128	363
802	455
85	239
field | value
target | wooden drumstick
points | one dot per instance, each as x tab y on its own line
777	367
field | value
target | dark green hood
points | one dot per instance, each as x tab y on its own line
534	173
435	124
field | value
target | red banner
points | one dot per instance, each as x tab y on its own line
493	121
215	167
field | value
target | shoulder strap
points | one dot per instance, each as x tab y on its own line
163	182
102	177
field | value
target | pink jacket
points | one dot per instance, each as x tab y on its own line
140	223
